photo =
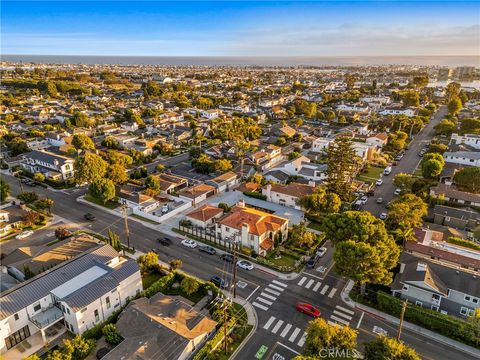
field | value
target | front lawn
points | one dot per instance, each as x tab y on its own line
285	260
314	225
149	279
371	175
109	204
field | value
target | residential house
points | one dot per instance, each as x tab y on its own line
210	114
302	167
204	216
321	144
379	140
287	195
171	183
282	130
458	218
469	158
197	193
409	112
266	157
77	294
364	151
467	139
276	176
161	328
53	166
224	182
433	286
450	193
10	219
254	229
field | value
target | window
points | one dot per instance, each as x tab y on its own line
97	317
405	287
418	303
68	311
475	300
36	307
468	298
17	337
83	310
434	307
107	300
15	317
435	297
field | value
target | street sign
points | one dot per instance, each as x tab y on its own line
263	349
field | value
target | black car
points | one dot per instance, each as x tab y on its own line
165	241
227	257
313	261
208	249
219	282
89	217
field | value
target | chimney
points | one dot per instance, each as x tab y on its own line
241	203
421	266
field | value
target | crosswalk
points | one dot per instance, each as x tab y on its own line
269	295
288	332
316	286
341	315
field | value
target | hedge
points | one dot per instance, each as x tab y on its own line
96	331
160	285
255	194
465	243
446	325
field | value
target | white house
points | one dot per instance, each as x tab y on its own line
409	112
467	139
375	101
469	158
321	144
79	293
379	140
53	166
302	166
287	195
209	114
359	108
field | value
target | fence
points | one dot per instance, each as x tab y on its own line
206	235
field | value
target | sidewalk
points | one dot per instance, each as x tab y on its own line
345	295
252	319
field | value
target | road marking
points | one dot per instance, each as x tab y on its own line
336	312
360	320
333	323
286	330
294	334
302	340
277	326
241	284
251	294
268	296
345	310
272	291
264	301
317	285
269	322
315	276
310	283
324	290
275	287
279	283
260	306
339	320
288	348
302	280
334	290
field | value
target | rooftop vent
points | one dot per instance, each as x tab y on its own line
421	266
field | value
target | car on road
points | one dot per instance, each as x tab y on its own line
398	157
227	257
207	249
387	170
29	182
165	241
244	264
383	216
313	261
322	251
379	182
422	152
364	199
379	200
89	217
24	234
219	282
397	192
379	331
189	243
308	309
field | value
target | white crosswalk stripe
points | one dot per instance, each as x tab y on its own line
269	322
279	283
260	306
277	326
272	291
302	339
294	335
310	283
302	280
336	312
348	311
265	295
275	287
341	315
334	290
264	301
317	285
269	294
344	322
286	330
324	290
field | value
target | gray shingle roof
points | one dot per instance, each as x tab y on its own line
47	157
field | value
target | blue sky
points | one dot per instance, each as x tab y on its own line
334	28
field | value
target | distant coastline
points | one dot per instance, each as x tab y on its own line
450	61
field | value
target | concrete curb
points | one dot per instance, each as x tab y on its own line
252	320
345	295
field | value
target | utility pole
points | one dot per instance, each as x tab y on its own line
404	307
125	216
234	271
225	303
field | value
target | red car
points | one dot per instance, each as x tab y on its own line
308	309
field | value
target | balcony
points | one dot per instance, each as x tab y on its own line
47	317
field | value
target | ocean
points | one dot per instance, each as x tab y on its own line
450	61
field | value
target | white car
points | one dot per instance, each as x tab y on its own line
397	192
322	251
379	331
364	199
244	264
383	216
189	243
24	234
379	182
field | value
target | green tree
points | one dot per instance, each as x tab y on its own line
89	167
320	202
203	164
28	197
223	165
80	119
62	233
78	348
300	237
388	348
397	140
437	148
152	184
445	127
114	240
147	262
117	173
411	98
4	189
102	189
110	142
406	211
431	169
468	179
39	177
470	126
434	156
82	142
454	105
404	181
17	146
321	336
175	264
420	81
189	285
45	203
342	165
111	335
452	90
116	157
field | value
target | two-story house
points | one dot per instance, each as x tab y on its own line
287	195
467	139
53	166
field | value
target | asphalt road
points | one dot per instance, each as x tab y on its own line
406	165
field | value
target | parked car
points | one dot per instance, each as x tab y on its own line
313	260
383	216
379	182
322	251
24	234
189	243
379	200
308	309
89	217
165	241
371	192
387	170
227	257
208	249
219	282
364	199
244	264
379	331
165	209
397	192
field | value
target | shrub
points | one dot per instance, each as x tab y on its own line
465	243
255	195
160	285
175	264
111	335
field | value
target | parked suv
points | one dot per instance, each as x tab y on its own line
165	241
